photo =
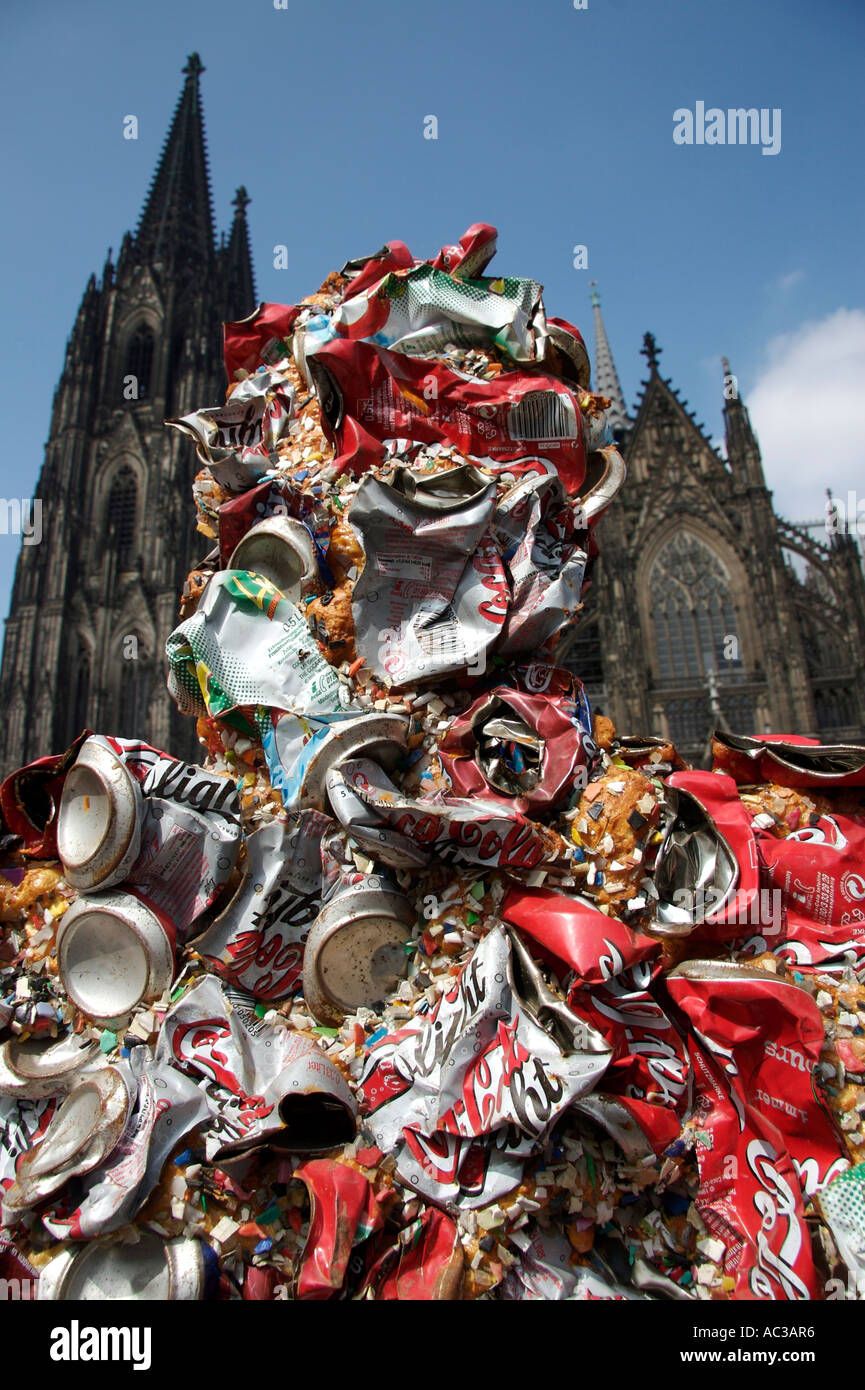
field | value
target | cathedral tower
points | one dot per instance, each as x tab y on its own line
93	603
705	605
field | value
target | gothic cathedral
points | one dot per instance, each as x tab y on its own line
706	609
93	604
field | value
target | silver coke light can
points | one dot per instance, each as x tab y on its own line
114	951
280	549
99	823
151	1269
355	952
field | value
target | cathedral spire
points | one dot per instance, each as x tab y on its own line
176	227
651	351
606	377
743	451
238	277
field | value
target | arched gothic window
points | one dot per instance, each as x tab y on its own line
693	613
139	359
585	656
689	720
835	708
121	515
823	643
739	712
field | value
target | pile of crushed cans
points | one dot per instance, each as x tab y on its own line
426	983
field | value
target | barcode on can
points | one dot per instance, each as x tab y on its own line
542	415
441	637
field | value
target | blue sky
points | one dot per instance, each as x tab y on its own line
554	124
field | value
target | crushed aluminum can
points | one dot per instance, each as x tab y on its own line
567	929
464	1095
247	645
263	338
256	944
23	1121
168	1105
474	250
250	423
638	751
43	1066
301	750
539	532
424	310
150	1269
606	472
654	1283
750	1196
707	867
114	950
474	831
343	1213
421	604
270	499
355	954
540	677
424	1264
99	821
190	836
568	341
642	1098
369	394
842	1204
772	1060
30	796
525	747
789	760
266	1086
168	830
282	550
364	271
83	1131
819	873
544	1272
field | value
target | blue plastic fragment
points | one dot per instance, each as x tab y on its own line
675	1203
263	1246
374	1037
184	1158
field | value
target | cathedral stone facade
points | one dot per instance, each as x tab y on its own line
708	610
94	602
705	608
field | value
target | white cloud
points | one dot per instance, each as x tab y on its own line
786	282
808	409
